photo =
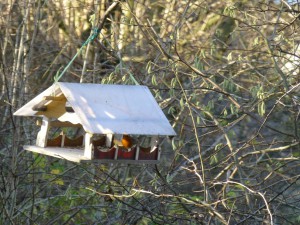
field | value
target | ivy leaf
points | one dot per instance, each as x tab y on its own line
92	19
261	108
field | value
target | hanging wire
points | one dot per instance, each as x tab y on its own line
91	38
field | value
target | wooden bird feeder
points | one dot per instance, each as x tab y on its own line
103	123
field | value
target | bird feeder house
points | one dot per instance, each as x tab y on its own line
103	123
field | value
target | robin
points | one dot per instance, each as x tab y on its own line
126	141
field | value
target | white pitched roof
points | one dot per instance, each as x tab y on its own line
103	109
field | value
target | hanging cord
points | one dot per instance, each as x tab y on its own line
91	38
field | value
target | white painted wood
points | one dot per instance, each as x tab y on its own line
26	110
75	155
54	98
121	161
106	109
69	117
137	153
88	146
57	123
39	122
120	109
159	152
154	143
100	109
42	135
116	153
109	140
63	136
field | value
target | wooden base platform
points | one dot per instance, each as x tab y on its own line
77	155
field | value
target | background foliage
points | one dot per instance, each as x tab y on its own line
226	74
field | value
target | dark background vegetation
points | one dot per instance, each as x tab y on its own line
226	74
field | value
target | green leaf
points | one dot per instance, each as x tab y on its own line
181	103
260	93
173	82
213	160
154	82
219	146
211	104
296	154
174	146
148	67
261	108
198	120
171	110
231	194
225	113
256	41
202	54
92	19
232	109
229	57
198	64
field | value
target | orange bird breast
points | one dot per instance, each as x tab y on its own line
126	141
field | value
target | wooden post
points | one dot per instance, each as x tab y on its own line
62	144
109	139
158	154
88	146
42	135
137	153
116	153
154	143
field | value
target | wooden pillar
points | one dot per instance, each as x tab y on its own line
158	154
154	143
88	146
63	136
42	135
109	140
137	153
116	153
155	146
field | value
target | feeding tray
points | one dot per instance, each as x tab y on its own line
109	116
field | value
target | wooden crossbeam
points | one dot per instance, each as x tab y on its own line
54	98
42	107
63	124
59	124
